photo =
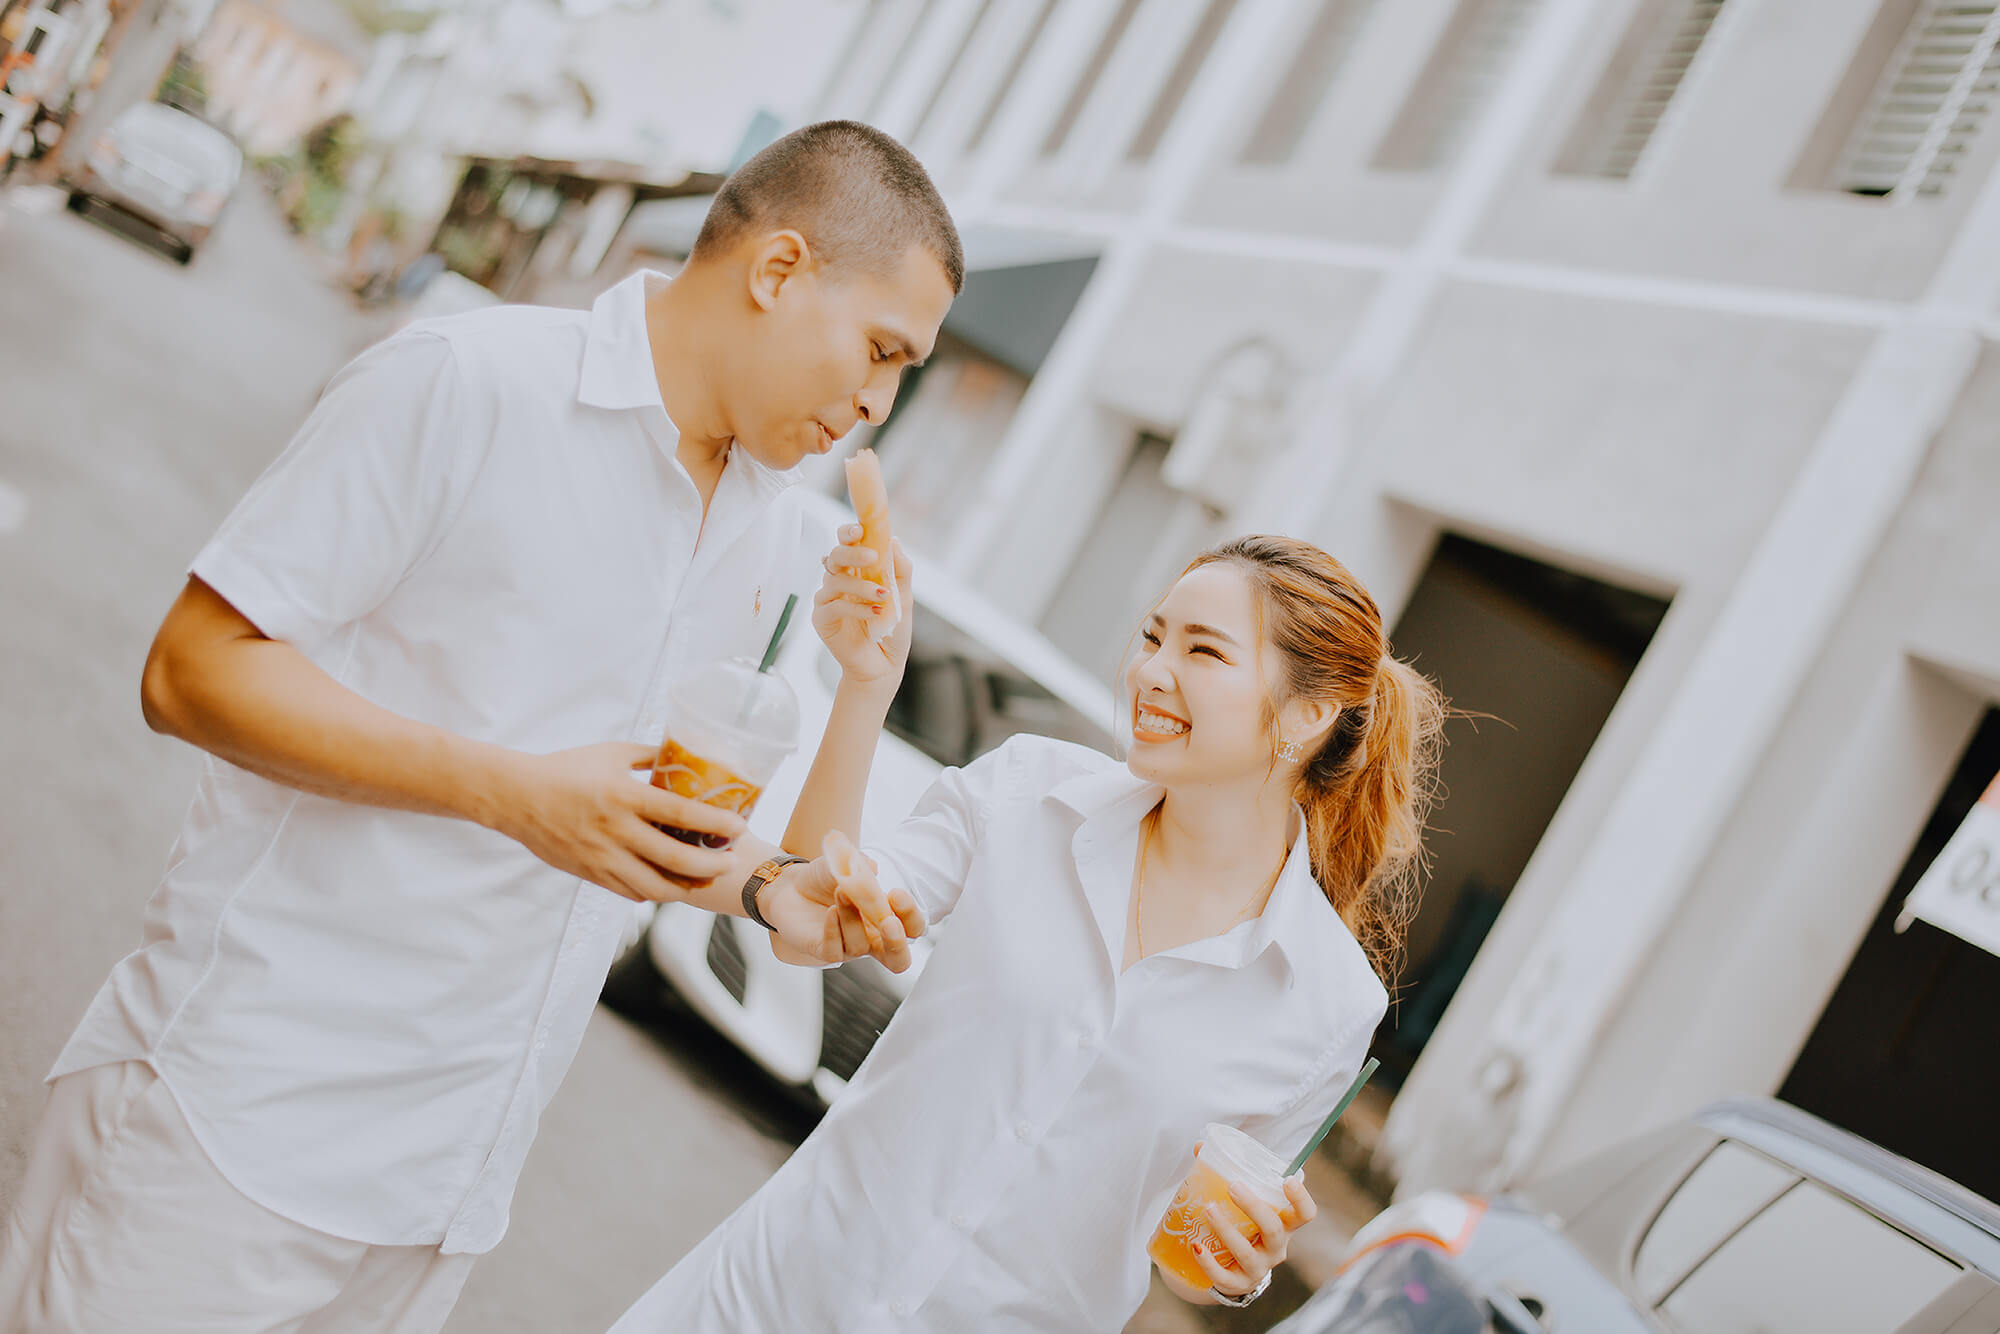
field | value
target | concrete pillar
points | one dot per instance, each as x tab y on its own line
143	41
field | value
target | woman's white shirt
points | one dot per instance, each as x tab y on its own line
1000	1160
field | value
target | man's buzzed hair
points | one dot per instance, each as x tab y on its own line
855	194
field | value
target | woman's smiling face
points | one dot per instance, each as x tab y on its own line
1198	683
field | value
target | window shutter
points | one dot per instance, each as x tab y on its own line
1631	113
1304	86
1460	79
1930	106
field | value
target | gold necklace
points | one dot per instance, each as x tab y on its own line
1147	825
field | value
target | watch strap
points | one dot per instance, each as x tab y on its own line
767	871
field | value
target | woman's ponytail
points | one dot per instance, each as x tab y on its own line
1365	808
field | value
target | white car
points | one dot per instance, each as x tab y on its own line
165	169
976	676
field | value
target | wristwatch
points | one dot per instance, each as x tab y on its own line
767	871
1224	1299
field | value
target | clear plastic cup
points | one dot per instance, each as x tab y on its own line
732	726
1226	1155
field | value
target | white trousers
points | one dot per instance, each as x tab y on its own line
123	1224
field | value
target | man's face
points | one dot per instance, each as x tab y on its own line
830	351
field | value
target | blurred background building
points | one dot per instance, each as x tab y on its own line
274	69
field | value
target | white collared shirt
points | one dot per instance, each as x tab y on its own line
482	525
1003	1155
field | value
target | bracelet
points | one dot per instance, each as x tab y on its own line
767	871
1224	1299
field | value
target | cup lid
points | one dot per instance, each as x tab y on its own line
731	695
1245	1161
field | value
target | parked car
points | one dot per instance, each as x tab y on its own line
1751	1218
976	676
169	172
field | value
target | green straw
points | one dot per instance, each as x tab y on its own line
778	635
770	653
1353	1091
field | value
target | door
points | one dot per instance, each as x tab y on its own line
1904	1053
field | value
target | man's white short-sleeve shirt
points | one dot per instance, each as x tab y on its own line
482	525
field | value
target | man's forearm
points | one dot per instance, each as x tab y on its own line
266	707
831	798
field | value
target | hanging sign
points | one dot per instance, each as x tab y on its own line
1960	893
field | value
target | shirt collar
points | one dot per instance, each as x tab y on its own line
1095	792
617	355
618	372
1298	921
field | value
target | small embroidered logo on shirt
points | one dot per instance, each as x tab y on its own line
757	603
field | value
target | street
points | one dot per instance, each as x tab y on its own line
137	401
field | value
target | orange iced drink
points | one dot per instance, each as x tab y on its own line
684	773
1226	1155
870	495
730	726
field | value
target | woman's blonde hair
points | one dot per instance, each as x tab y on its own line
1367	788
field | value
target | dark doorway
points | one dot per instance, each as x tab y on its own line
1905	1052
1544	653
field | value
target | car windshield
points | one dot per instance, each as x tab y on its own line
165	133
1728	1188
1811	1262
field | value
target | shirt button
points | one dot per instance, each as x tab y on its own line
899	1307
1084	1041
1021	1131
961	1222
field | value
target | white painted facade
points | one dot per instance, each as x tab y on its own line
1712	375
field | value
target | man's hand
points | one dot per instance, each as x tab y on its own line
831	917
852	602
582	812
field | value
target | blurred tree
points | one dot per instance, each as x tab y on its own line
311	178
184	87
379	16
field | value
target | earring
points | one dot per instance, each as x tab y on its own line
1289	751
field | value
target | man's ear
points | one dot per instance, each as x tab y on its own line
775	260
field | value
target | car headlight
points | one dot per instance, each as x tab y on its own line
1437	1218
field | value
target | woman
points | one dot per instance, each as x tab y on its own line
1127	952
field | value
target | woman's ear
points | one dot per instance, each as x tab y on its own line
1307	722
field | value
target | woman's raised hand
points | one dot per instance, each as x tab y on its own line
852	606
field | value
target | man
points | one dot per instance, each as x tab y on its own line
426	653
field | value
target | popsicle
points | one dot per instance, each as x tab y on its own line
871	505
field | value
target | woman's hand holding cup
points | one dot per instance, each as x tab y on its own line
1246	1260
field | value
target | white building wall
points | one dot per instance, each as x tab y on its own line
1792	883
